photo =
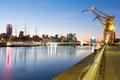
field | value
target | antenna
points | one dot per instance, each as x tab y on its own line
16	30
36	30
25	29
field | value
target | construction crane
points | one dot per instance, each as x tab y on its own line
107	22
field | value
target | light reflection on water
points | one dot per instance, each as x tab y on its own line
33	63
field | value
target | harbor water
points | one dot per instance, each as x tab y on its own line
40	62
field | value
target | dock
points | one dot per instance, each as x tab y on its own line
73	73
109	71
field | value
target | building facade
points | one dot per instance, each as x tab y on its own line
9	30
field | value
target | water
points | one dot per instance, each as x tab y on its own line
38	63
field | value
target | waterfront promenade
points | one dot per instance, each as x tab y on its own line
111	68
112	63
77	70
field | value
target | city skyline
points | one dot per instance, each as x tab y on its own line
57	17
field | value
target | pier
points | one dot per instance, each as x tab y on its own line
101	66
74	72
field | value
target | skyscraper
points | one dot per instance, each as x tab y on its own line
9	30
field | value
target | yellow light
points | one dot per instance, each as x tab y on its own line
107	38
111	27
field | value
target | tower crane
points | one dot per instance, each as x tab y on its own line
107	22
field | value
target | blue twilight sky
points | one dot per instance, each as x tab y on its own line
57	16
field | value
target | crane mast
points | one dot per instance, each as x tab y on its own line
107	22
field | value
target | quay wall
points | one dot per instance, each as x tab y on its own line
77	71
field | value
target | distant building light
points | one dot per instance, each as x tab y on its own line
9	25
93	39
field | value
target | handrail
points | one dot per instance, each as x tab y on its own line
92	72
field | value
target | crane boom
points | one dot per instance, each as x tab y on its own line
99	17
104	14
107	22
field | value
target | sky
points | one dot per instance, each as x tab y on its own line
57	17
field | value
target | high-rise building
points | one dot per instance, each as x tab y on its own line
9	30
21	34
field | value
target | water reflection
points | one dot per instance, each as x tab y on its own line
52	48
25	63
5	75
92	49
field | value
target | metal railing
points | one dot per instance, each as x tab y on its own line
94	70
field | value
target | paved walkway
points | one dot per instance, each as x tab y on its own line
112	63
